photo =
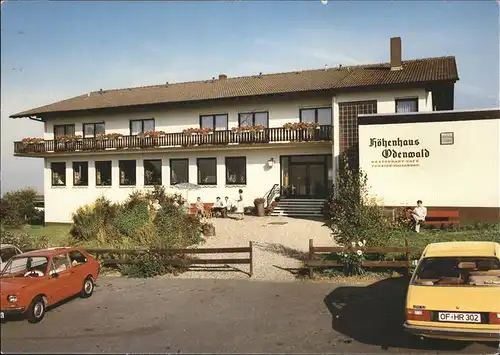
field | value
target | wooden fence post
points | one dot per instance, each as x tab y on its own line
251	258
408	257
311	246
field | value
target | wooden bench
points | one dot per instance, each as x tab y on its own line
207	205
441	218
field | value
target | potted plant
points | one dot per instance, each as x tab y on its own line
259	206
195	131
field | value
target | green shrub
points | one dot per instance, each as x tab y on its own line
24	241
95	222
18	207
132	216
151	265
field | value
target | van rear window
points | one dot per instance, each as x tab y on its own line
458	271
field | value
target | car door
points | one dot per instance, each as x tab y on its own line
80	270
61	275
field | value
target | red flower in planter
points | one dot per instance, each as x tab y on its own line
300	125
197	130
259	200
32	140
109	135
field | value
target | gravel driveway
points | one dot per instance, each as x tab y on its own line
279	245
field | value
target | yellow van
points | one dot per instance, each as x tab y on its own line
454	292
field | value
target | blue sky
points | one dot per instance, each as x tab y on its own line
55	50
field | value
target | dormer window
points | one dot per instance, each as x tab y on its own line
406	105
138	126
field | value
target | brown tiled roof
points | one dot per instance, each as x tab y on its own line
413	72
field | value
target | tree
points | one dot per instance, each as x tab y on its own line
18	207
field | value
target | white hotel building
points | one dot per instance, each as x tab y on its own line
298	165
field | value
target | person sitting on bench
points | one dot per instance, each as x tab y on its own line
218	207
200	208
418	214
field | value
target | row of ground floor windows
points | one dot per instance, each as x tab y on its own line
236	173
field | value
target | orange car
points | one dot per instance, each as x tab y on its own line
33	281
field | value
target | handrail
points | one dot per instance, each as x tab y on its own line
271	194
216	138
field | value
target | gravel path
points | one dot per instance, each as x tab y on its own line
279	245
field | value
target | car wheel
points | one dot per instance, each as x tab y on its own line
88	287
36	310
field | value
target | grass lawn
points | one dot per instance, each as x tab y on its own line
56	234
420	240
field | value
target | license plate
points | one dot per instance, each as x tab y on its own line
2	315
459	317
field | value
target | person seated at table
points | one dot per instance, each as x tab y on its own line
200	208
227	206
218	207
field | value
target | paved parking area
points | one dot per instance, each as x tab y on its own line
224	316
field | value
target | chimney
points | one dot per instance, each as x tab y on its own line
222	76
396	53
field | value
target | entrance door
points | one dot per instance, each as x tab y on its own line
305	176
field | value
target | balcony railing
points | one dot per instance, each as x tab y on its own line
217	138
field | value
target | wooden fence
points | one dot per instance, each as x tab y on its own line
313	262
179	261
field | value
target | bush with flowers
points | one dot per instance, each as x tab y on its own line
352	261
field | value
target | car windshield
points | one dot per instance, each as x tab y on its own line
27	266
458	271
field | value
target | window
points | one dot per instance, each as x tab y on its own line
63	129
321	116
93	129
215	122
7	253
60	263
127	172
207	171
179	171
81	173
406	105
19	266
138	126
58	174
152	172
103	173
254	119
77	258
236	170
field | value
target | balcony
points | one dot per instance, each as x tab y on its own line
176	140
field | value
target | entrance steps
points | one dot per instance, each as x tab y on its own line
299	208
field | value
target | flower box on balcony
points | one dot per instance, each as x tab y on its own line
69	138
196	131
106	136
296	126
151	134
31	141
250	129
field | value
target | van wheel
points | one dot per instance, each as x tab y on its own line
36	310
88	287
